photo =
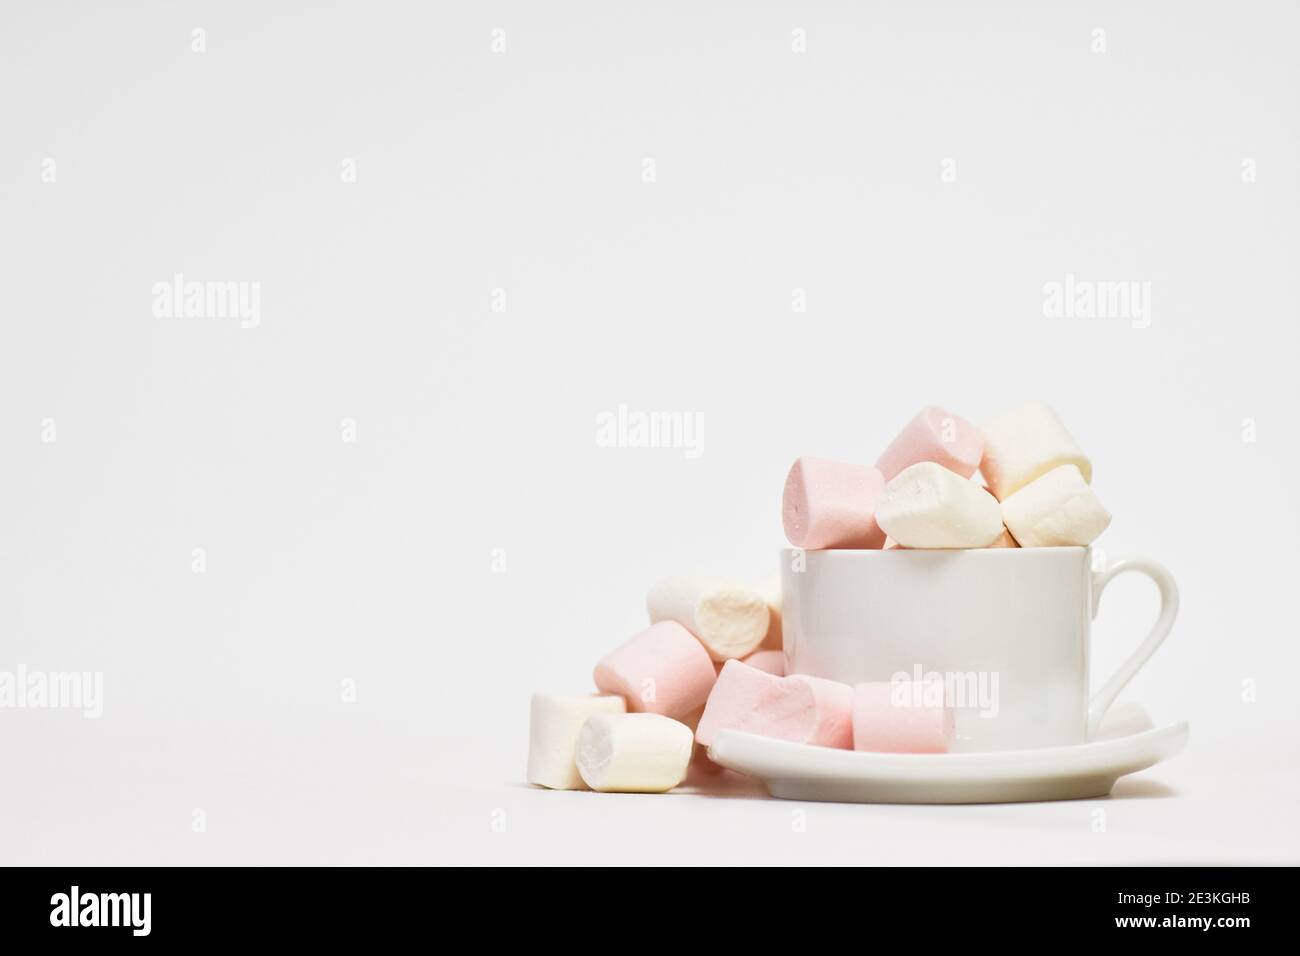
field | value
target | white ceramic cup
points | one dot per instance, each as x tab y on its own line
1007	628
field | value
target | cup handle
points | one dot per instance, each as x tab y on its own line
1157	572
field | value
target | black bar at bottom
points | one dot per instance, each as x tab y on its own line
213	905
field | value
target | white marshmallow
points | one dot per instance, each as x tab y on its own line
554	724
928	506
1024	443
1056	510
730	620
634	753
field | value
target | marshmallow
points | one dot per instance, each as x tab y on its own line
806	710
771	591
1058	509
902	718
662	670
829	504
928	506
769	662
937	436
553	728
1004	540
633	753
1024	443
730	620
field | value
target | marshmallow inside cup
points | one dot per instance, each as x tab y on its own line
938	436
1059	509
928	506
1024	443
831	504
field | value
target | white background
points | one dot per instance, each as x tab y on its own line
523	170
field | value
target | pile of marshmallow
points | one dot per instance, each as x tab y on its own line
711	658
921	493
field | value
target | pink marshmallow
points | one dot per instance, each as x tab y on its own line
662	670
770	662
806	710
937	436
831	504
909	717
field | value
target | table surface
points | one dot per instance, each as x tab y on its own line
343	797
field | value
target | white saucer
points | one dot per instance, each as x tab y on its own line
1126	744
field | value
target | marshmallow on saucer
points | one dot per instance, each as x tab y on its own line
831	504
633	753
938	436
928	506
908	717
1022	444
1058	509
806	710
662	670
554	724
730	620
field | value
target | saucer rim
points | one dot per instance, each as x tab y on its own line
1168	740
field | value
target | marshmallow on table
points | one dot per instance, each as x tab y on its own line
633	753
937	436
1058	509
555	722
662	670
1024	443
928	506
730	620
831	504
770	662
909	717
806	710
